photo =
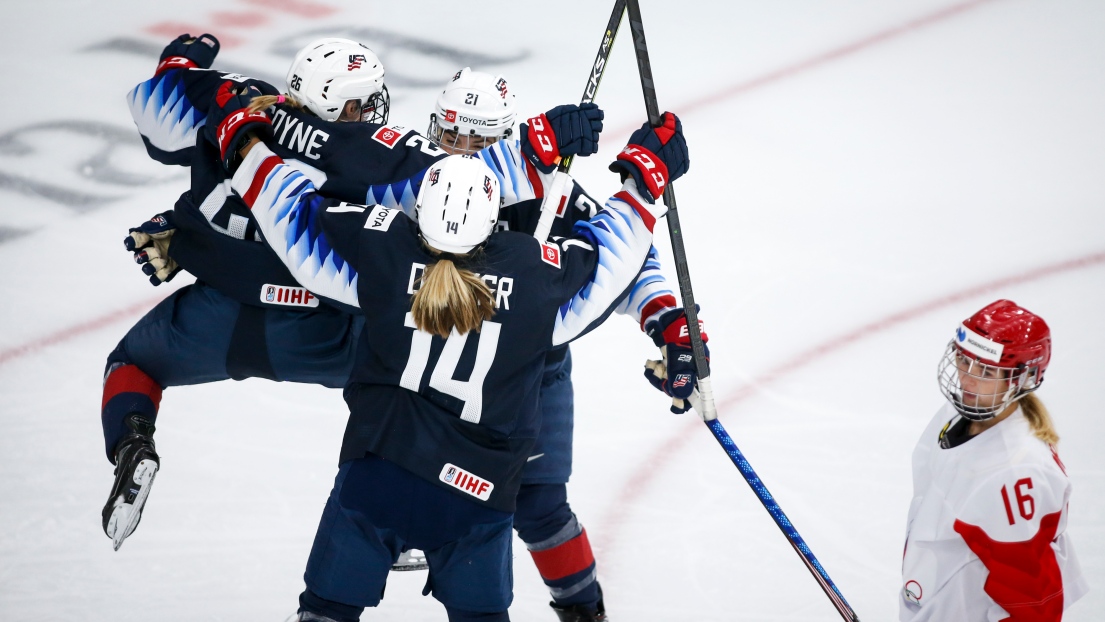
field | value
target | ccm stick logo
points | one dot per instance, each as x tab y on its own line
466	482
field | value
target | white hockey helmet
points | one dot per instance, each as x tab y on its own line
329	72
473	104
458	204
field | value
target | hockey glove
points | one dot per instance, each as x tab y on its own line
561	132
150	244
230	124
186	52
654	156
676	374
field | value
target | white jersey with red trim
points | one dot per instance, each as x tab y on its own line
986	538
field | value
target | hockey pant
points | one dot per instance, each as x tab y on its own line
544	520
376	511
198	335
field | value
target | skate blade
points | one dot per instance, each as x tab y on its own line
410	560
129	513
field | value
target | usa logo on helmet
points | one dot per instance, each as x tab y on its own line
355	61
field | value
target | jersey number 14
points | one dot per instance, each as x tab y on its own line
470	391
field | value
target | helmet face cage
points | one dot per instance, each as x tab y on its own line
994	387
375	108
455	142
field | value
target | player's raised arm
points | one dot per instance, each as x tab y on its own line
619	238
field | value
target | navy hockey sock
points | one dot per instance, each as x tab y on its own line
558	544
456	615
309	601
127	390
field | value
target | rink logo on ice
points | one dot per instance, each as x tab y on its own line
978	345
912	592
290	296
388	136
466	482
380	218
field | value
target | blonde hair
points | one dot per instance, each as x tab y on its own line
449	298
1039	419
264	102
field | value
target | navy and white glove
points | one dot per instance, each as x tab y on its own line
186	52
676	374
150	244
230	124
654	156
561	132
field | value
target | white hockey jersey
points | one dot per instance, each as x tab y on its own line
986	540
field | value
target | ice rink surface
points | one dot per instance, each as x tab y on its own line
866	174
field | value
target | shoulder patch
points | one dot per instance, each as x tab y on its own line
380	218
290	296
236	77
389	136
550	254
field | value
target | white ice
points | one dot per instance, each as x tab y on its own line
853	177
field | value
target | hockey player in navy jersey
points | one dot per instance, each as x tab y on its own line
429	459
473	111
262	296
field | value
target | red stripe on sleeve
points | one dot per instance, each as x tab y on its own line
1024	578
566	559
260	176
534	179
667	301
130	379
646	216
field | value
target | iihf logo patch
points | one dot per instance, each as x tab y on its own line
466	482
550	254
355	61
435	173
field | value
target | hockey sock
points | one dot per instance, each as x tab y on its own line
558	544
456	615
339	612
127	390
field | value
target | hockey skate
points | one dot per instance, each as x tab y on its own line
136	464
410	560
579	613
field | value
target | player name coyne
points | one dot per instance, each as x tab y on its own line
466	482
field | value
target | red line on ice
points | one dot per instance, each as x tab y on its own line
78	330
664	453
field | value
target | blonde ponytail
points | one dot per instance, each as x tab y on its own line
451	298
1039	419
264	102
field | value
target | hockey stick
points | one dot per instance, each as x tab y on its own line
705	402
550	207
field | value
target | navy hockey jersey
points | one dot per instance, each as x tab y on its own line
356	162
461	412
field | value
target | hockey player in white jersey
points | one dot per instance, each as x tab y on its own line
986	538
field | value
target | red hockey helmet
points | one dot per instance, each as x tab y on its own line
1003	341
